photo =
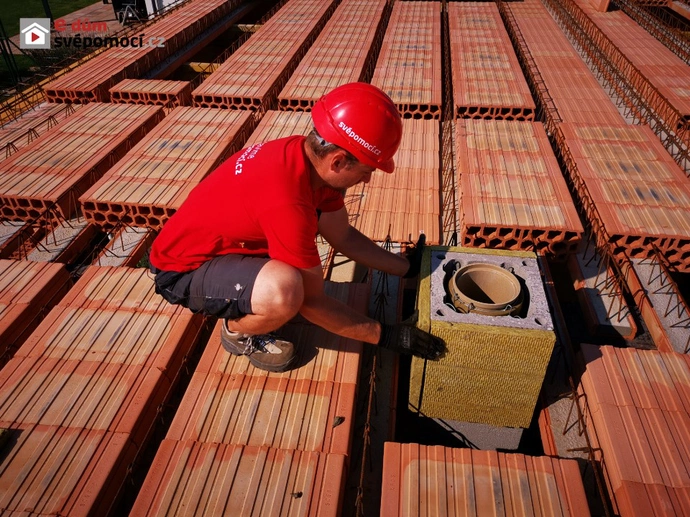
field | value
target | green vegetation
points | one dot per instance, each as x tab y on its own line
12	10
23	63
144	262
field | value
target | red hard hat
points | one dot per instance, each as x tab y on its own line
361	119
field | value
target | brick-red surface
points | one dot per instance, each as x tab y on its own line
118	288
152	91
27	290
575	91
275	412
229	401
63	471
511	191
406	203
253	76
667	72
340	54
51	172
92	80
409	63
112	336
600	5
258	418
113	315
279	124
428	481
641	195
81	395
217	479
639	406
36	121
487	78
155	177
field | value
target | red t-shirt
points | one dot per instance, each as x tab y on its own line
258	202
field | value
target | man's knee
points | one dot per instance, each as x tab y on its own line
278	289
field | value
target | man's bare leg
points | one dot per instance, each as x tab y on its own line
277	296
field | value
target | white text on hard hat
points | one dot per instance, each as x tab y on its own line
349	132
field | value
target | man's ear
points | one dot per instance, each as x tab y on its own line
338	160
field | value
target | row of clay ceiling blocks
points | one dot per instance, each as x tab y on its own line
680	7
666	71
35	121
153	179
280	124
158	92
633	211
428	481
639	404
406	203
52	170
338	56
641	195
12	234
511	191
250	76
26	290
253	442
409	64
92	80
487	78
82	393
575	91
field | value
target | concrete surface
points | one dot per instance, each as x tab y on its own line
526	269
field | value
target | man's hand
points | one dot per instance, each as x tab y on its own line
413	254
407	339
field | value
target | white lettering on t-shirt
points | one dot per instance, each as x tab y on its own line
248	154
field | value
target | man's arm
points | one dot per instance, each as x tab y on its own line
332	314
335	228
336	317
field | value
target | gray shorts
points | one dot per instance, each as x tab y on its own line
221	287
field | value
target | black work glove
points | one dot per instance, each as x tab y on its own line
407	339
413	254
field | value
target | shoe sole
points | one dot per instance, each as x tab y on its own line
277	368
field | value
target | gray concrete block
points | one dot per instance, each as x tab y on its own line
604	300
673	316
9	229
121	247
482	436
537	315
57	241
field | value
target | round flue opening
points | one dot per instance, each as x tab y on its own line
485	289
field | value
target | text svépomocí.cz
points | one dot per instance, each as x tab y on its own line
140	41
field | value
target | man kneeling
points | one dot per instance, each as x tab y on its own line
242	246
